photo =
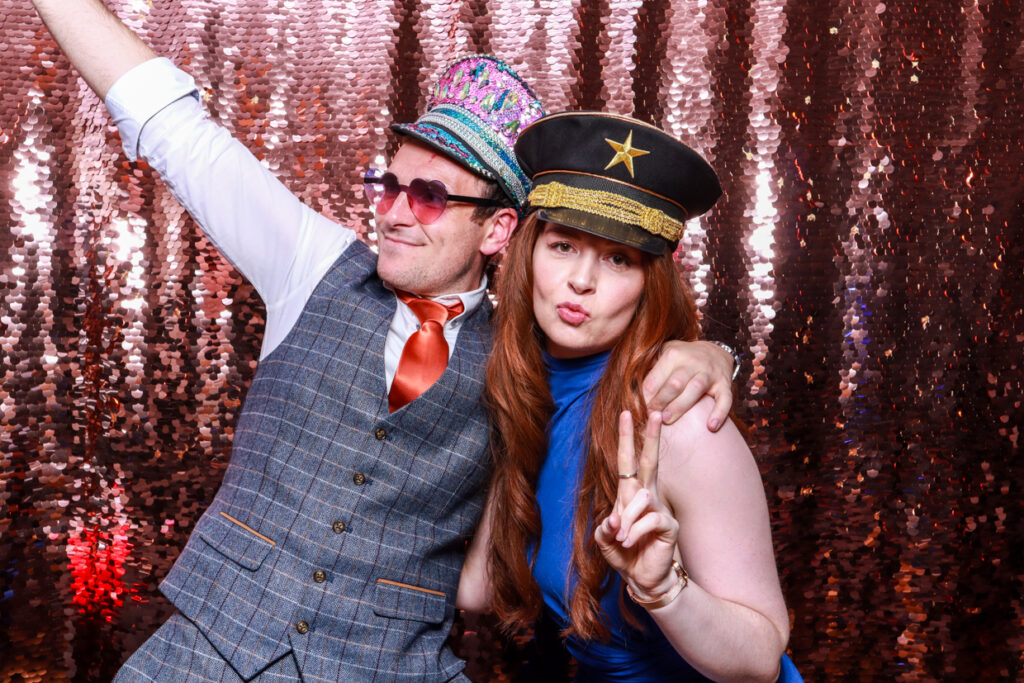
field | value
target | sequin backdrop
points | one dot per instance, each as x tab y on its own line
866	260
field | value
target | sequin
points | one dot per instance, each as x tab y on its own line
865	259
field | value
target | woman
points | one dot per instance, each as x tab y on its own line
576	525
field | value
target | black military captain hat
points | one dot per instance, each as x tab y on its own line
615	177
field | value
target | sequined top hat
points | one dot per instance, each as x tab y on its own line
615	177
474	114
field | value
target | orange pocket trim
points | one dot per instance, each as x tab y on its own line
409	586
247	528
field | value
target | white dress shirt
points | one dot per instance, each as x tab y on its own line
279	244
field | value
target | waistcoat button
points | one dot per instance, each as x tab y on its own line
319	576
358	478
338	527
381	434
302	627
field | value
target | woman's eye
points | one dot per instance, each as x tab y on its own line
562	247
619	260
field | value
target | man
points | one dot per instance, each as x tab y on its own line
333	548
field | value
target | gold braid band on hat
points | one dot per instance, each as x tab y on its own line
607	205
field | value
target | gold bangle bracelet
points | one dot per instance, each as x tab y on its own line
666	597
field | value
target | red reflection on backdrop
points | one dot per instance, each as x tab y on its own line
96	557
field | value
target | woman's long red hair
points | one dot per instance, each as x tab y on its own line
520	406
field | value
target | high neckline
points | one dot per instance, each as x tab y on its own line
575	365
572	380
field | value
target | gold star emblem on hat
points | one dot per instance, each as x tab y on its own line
624	153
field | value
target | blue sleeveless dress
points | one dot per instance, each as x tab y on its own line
630	655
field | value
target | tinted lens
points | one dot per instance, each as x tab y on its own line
374	187
427	199
389	191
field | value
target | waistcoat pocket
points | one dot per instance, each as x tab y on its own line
235	540
404	601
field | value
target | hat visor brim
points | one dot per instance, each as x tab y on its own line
448	145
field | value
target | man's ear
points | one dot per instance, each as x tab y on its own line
500	226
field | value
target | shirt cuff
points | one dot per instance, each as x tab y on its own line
140	94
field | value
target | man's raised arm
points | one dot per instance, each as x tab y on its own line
96	42
278	243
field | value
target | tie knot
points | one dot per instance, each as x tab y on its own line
427	310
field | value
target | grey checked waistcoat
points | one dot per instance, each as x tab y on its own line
339	530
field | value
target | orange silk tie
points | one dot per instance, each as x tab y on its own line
425	355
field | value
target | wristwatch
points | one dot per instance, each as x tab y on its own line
735	358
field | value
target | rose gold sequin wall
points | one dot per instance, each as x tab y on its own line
865	259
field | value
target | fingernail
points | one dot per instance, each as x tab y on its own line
714	424
668	418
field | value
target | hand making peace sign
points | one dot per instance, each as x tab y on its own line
638	539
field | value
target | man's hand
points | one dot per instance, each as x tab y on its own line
684	372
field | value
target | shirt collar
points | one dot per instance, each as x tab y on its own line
471	300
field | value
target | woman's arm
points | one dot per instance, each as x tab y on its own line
730	621
475	581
